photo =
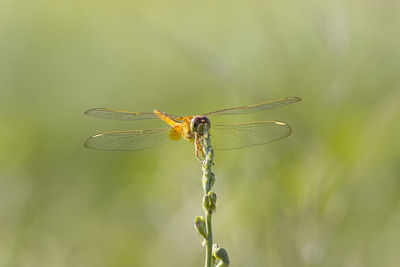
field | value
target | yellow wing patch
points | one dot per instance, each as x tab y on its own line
175	133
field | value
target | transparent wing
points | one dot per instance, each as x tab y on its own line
239	135
122	115
256	107
129	140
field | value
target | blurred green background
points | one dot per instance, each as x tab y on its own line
327	196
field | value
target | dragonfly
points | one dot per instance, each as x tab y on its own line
224	136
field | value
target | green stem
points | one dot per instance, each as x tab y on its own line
209	241
208	180
203	225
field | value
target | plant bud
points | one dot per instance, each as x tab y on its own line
213	197
200	226
221	254
213	201
212	179
206	203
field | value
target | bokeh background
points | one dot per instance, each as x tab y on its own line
327	196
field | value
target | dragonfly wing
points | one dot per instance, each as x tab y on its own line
129	140
256	107
122	115
224	137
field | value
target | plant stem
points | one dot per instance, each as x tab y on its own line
209	241
208	180
203	225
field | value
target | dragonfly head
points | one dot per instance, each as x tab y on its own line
198	124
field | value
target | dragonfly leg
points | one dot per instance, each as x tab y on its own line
202	152
196	146
200	141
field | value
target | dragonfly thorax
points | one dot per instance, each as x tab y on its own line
198	124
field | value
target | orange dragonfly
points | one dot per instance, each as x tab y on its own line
227	136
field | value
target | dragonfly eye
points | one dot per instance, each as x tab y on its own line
198	124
